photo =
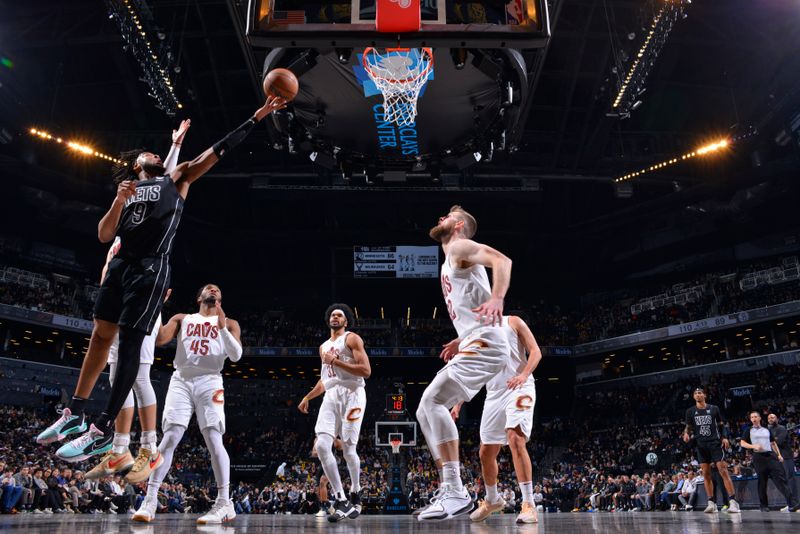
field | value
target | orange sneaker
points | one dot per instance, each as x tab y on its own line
486	508
527	514
111	464
146	461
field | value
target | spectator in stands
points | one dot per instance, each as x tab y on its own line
688	495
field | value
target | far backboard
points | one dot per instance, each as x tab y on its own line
351	23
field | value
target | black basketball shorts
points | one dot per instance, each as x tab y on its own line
132	293
710	454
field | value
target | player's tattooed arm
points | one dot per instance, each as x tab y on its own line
316	391
531	347
168	331
360	365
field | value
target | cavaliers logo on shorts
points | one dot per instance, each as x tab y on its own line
524	402
353	415
478	344
218	397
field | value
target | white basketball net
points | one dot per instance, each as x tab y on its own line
399	74
395	443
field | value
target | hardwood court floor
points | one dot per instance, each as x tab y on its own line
747	522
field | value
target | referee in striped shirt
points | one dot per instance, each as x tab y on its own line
766	461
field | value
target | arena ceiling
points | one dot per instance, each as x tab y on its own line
729	68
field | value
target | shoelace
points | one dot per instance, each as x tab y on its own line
64	417
141	459
85	439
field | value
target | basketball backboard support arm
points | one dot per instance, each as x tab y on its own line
292	23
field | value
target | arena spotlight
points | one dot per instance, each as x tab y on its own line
704	150
633	83
73	145
156	60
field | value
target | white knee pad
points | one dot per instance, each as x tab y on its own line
324	445
143	388
442	393
430	438
112	369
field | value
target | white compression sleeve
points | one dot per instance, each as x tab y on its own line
232	347
329	466
353	465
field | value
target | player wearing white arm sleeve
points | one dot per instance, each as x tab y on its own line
205	340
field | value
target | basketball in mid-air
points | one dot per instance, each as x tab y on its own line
281	83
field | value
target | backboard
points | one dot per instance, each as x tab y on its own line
515	24
385	430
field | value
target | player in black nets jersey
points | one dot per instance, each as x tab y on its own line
704	420
145	214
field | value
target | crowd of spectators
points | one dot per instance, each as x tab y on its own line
602	316
602	461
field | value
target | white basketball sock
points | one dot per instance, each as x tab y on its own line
148	441
491	493
527	491
452	475
120	443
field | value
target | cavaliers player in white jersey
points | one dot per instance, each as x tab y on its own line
507	419
345	366
205	340
473	359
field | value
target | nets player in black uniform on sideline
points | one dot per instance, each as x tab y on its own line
704	421
145	214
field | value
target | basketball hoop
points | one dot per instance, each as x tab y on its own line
395	443
399	74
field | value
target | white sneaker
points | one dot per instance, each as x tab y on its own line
146	512
321	513
733	507
221	512
711	508
452	503
436	494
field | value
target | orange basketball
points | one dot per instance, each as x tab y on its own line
281	83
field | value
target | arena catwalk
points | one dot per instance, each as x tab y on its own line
577	523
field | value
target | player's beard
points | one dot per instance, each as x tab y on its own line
153	169
210	301
438	233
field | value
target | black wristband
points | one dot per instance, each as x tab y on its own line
231	140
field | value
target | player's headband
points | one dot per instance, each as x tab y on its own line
701	390
340	311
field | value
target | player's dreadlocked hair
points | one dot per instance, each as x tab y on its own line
124	171
348	314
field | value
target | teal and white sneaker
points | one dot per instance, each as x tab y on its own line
92	443
67	424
